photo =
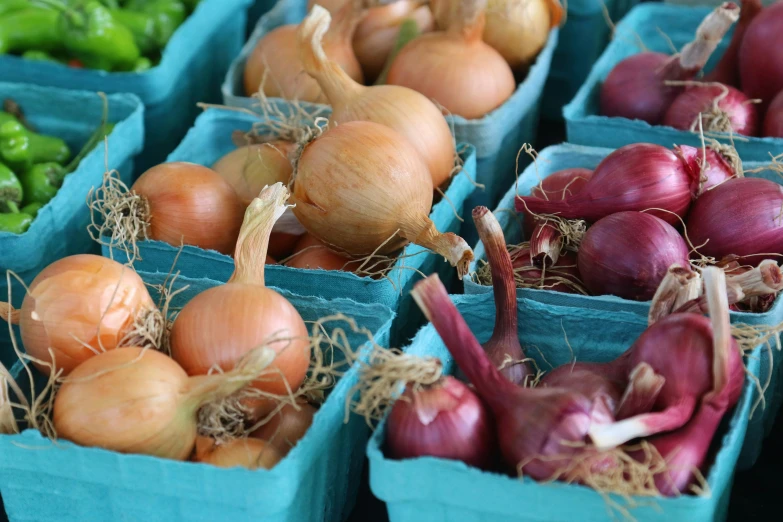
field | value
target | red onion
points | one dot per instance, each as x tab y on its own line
717	168
722	109
445	420
561	276
532	423
773	122
503	348
627	254
636	87
727	70
685	350
761	55
637	177
741	217
589	380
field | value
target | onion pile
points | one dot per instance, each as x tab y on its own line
671	388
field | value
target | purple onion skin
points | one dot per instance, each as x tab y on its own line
592	381
773	123
742	217
718	169
761	56
627	254
636	177
635	89
557	186
685	109
446	420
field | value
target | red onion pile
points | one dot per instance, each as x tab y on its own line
737	96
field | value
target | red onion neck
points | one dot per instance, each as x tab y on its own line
253	241
434	301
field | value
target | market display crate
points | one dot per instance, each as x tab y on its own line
497	136
553	159
190	69
429	489
60	228
658	26
317	480
210	139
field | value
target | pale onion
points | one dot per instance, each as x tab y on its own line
134	400
404	110
455	67
519	29
250	168
287	426
247	453
80	306
379	29
361	183
220	325
190	204
276	56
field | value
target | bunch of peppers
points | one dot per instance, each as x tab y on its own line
113	35
33	167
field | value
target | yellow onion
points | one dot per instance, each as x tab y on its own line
80	306
361	188
406	111
133	400
250	168
287	426
190	204
247	453
275	56
455	67
378	31
220	325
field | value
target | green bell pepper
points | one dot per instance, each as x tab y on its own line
41	182
91	34
14	221
32	209
31	28
11	192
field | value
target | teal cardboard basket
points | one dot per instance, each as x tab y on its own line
430	489
561	157
60	229
210	139
190	71
585	125
582	40
497	136
318	480
258	9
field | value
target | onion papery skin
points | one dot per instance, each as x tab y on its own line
287	427
739	217
549	276
635	90
517	29
604	392
761	56
446	420
80	300
250	168
627	254
773	122
717	171
311	253
557	187
247	453
465	76
636	177
684	111
220	325
378	31
128	400
190	204
287	78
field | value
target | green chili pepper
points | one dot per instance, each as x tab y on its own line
141	25
143	64
14	221
30	28
11	192
168	15
10	6
41	182
32	209
91	34
48	148
40	56
15	145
